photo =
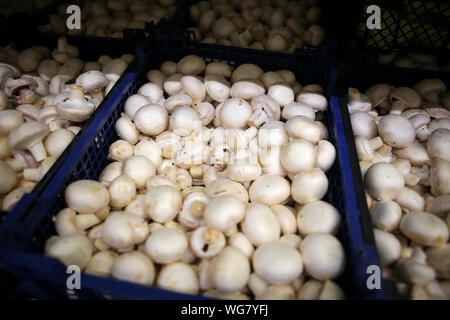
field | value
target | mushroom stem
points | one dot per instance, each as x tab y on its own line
198	209
38	151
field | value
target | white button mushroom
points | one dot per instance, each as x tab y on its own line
206	242
139	168
9	178
424	228
120	150
184	121
388	246
179	277
396	131
134	267
102	263
86	196
269	190
298	155
260	224
224	212
122	191
323	256
151	119
386	215
383	181
29	136
277	263
166	245
230	270
134	103
309	185
75	249
235	113
123	230
162	203
318	216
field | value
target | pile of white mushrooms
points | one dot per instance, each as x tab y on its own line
403	142
108	18
414	60
209	192
8	8
45	95
274	25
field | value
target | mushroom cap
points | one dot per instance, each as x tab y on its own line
277	263
260	224
396	130
247	89
318	216
386	215
439	259
363	125
134	103
86	196
193	87
383	181
9	120
121	230
388	246
74	106
57	141
301	127
134	267
28	134
139	168
101	263
166	245
224	212
191	65
122	191
309	185
235	113
185	120
9	178
163	203
316	101
230	270
92	80
298	155
298	109
424	228
438	144
224	186
153	92
180	277
151	119
218	68
74	249
323	256
246	70
273	133
217	87
269	190
440	177
281	93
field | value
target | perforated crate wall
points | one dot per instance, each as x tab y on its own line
415	25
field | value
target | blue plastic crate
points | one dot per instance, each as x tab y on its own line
24	233
363	77
90	49
181	20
